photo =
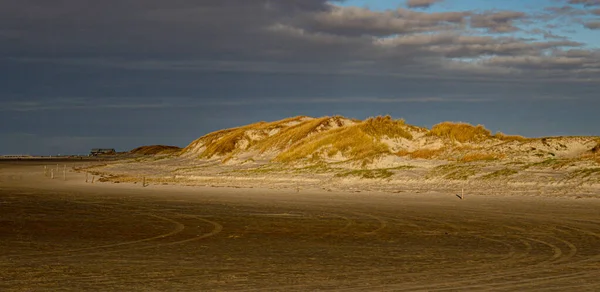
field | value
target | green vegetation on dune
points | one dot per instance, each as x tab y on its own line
367	173
454	171
585	173
500	173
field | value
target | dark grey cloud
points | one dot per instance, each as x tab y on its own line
355	21
421	3
266	36
110	69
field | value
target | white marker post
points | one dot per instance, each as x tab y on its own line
52	174
65	173
462	194
45	170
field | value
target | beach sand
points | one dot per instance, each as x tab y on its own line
60	234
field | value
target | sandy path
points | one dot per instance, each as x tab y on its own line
70	235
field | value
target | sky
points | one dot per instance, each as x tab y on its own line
82	74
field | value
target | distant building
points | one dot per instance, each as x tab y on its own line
15	156
101	151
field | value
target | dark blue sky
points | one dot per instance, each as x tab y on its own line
79	74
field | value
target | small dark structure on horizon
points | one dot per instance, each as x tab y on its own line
102	151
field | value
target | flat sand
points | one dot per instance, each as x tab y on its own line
72	235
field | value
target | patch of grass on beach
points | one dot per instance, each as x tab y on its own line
585	173
500	173
551	163
402	167
481	156
367	173
453	171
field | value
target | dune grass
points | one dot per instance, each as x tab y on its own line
461	132
500	173
454	171
510	138
351	141
585	173
292	135
367	173
224	141
481	156
422	153
551	163
380	127
155	150
359	142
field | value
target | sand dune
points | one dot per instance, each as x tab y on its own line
378	154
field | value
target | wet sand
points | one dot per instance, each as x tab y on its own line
72	235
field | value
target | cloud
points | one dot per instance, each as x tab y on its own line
592	25
310	37
421	3
497	22
585	2
355	21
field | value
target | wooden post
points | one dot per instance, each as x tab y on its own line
52	174
65	173
45	170
86	177
93	178
144	182
462	195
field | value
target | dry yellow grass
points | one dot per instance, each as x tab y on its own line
510	138
380	127
224	141
292	135
351	141
155	150
361	141
461	132
422	153
481	156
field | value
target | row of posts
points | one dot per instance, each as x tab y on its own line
52	173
